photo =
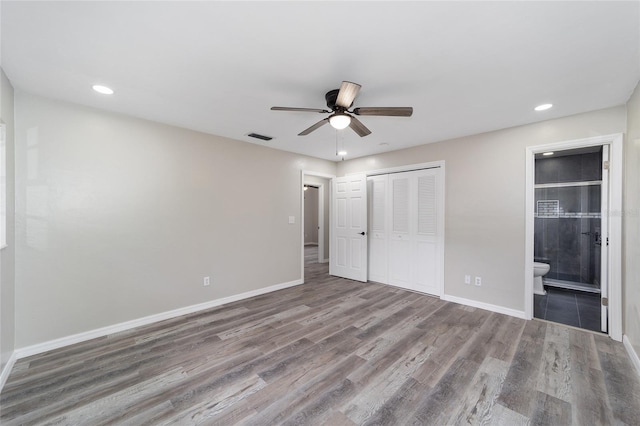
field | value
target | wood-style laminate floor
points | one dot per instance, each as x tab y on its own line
335	352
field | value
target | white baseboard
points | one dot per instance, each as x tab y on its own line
111	329
4	375
486	306
632	353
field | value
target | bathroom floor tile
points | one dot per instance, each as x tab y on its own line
562	303
590	317
564	316
539	306
587	299
574	308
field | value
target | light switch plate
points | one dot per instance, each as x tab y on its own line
292	220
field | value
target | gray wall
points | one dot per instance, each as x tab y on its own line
7	255
485	199
120	218
631	224
311	215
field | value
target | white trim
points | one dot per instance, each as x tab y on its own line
485	306
116	328
567	184
407	168
321	228
615	223
635	360
4	375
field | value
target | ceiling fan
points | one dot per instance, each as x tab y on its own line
339	101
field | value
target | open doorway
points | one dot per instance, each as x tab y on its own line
315	189
312	234
570	200
573	233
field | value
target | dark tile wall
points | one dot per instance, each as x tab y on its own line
570	242
569	246
569	168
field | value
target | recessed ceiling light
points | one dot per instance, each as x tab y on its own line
547	153
543	107
102	89
343	153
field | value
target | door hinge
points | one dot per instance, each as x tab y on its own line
605	165
605	301
607	241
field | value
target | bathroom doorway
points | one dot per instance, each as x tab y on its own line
570	190
574	226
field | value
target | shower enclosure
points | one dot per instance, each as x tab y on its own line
568	191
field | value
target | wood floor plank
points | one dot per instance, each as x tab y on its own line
519	388
438	404
554	376
398	409
623	389
479	400
590	396
334	352
549	410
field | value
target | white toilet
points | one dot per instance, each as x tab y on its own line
539	270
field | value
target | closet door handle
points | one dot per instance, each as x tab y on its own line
362	233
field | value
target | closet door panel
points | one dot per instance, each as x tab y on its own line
427	235
400	262
426	267
378	235
400	247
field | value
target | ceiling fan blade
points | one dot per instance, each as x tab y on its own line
385	111
357	126
346	95
314	127
299	109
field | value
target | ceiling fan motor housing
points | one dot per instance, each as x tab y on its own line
331	97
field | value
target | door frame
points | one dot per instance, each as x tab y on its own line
615	142
321	192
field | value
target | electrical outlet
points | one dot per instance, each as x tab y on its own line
206	281
467	279
478	281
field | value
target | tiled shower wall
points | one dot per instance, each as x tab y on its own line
568	239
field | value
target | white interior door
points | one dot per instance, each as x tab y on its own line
604	238
349	228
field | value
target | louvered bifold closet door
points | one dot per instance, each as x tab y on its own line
427	238
400	235
414	236
378	228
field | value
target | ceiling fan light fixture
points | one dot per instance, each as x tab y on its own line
339	121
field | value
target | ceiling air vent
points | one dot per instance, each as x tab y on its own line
257	136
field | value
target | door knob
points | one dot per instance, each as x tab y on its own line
362	233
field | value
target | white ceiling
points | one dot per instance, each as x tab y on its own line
217	67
